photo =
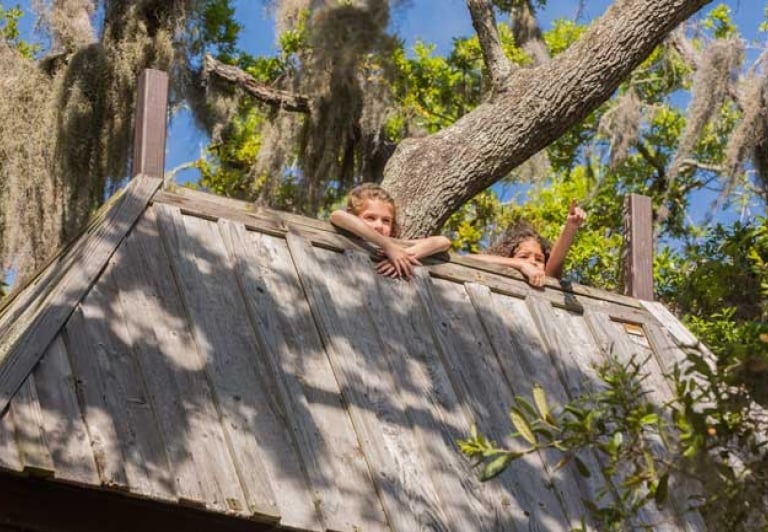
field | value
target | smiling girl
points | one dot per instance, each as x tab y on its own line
371	214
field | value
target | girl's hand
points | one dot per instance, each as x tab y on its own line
399	263
535	275
576	215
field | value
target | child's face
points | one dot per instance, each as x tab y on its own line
378	216
530	251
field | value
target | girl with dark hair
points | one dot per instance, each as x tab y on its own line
522	248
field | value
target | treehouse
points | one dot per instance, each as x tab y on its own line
193	362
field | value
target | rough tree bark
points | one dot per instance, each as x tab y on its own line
527	109
430	177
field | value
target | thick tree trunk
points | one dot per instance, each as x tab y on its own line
431	177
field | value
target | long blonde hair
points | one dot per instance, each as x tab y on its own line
359	195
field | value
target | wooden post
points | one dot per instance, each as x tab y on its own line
150	125
638	247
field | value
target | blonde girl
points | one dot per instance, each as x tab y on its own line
371	214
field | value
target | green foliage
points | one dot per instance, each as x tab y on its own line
719	21
722	288
219	27
9	31
706	432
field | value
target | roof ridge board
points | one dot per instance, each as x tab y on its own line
248	207
61	254
26	339
278	223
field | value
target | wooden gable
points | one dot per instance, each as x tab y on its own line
196	353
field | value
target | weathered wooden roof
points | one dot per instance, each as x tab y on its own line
193	350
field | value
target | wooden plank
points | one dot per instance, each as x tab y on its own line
24	296
265	222
95	402
233	205
567	290
62	420
9	452
32	333
460	268
613	341
244	386
425	393
576	374
476	375
173	370
342	485
560	298
524	359
676	329
34	454
366	382
150	124
588	355
101	356
638	241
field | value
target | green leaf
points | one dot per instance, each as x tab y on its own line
581	467
497	466
522	426
661	490
540	399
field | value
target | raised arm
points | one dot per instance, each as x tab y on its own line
574	220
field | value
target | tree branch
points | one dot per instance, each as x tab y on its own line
498	64
287	101
430	177
527	33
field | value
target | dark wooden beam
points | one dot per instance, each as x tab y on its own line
150	125
44	505
638	247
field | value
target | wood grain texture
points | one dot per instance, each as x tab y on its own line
114	393
62	420
613	342
524	362
22	347
340	481
34	453
150	123
366	382
9	452
423	386
476	375
201	465
638	267
254	417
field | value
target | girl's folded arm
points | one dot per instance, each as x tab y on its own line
424	247
355	225
401	260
